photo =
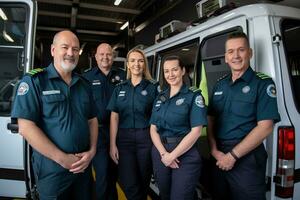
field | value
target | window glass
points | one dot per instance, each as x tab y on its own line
188	53
12	40
212	59
291	41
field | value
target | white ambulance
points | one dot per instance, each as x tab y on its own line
17	26
274	34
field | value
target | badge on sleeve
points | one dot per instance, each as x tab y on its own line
199	101
271	90
23	88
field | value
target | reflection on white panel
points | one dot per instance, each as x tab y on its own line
11	147
12	188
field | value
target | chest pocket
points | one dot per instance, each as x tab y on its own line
179	114
97	91
218	103
53	104
244	105
144	102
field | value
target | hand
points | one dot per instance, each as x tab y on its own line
174	164
68	160
226	162
114	153
168	159
217	154
83	162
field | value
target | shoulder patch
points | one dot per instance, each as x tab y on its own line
222	77
194	89
23	88
35	71
199	101
262	75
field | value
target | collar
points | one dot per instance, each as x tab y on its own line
111	72
143	84
247	76
52	74
184	89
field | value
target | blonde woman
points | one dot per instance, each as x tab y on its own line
130	142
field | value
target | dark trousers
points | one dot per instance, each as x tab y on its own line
80	189
135	166
106	170
246	180
175	184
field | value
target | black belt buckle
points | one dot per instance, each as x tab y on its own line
171	140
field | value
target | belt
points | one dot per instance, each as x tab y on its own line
170	140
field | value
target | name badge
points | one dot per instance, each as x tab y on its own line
218	93
96	82
49	92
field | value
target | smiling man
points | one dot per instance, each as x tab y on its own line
55	115
103	79
242	113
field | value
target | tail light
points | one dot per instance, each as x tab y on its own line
284	178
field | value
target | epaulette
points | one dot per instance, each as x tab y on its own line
194	89
87	70
121	83
152	81
262	75
222	77
35	71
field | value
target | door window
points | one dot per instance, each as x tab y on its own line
291	41
12	41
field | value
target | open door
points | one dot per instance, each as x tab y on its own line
17	31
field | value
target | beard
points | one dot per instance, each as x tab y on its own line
67	67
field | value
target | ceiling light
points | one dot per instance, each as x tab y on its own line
7	37
124	25
3	15
117	2
185	49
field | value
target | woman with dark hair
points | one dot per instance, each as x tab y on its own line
130	142
177	118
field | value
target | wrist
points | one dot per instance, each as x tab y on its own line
163	153
233	155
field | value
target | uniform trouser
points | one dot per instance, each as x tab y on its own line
80	188
246	180
175	184
105	168
135	166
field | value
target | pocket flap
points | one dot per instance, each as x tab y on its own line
54	98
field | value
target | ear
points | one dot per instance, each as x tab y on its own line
250	53
183	71
52	50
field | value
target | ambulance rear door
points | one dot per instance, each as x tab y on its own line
17	26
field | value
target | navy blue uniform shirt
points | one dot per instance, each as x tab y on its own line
59	110
176	116
103	87
238	106
133	104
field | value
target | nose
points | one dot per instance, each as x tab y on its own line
236	54
70	52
